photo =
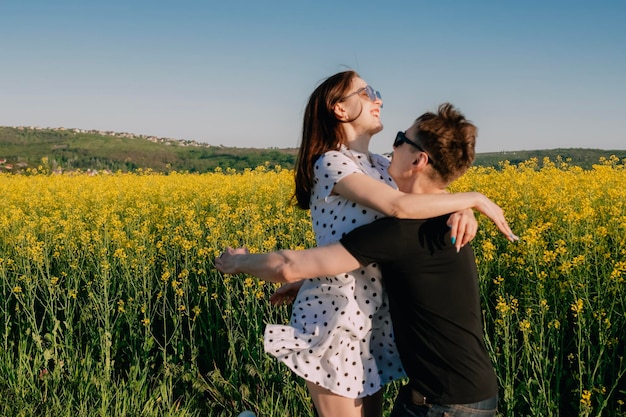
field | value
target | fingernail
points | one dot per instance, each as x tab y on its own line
453	240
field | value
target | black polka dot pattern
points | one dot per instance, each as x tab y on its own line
340	335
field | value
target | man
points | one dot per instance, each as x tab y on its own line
432	287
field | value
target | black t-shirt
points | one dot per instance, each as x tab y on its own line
435	306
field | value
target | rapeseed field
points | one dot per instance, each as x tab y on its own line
110	304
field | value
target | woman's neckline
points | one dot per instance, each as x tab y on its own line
359	155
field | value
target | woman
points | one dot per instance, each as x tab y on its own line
340	337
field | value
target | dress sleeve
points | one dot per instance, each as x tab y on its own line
331	168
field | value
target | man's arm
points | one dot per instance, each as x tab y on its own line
288	265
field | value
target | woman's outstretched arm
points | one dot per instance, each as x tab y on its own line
372	193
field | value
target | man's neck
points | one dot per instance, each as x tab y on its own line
421	185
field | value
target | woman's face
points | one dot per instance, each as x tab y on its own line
360	110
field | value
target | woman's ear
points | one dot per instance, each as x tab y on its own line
340	112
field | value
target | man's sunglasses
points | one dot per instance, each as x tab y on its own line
372	94
401	138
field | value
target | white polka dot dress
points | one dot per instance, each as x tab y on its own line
340	336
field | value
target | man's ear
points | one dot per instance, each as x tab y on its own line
420	162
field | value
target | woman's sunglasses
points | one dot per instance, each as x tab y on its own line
372	94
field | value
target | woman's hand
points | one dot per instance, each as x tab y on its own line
286	294
463	227
496	214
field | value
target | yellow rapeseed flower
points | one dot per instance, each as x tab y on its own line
577	307
555	324
585	398
524	326
498	280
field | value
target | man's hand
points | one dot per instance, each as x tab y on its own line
226	262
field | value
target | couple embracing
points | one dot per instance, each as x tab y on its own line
409	303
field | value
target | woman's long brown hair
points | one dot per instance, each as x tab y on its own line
321	131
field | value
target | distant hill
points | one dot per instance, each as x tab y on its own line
581	157
22	148
76	149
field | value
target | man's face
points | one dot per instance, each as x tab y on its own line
403	157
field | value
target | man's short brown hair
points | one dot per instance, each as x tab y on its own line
449	139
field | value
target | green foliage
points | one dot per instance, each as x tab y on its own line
68	150
584	158
110	304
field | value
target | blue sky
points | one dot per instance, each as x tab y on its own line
531	74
